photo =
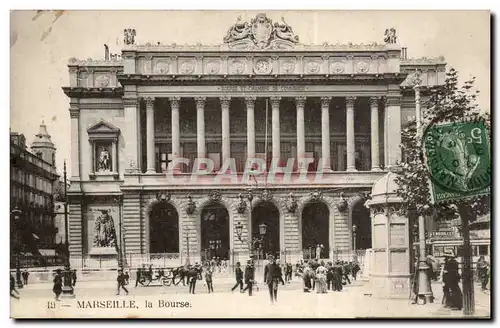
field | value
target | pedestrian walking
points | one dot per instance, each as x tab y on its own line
193	275
452	295
272	275
239	277
288	273
355	270
73	277
346	271
482	272
307	277
13	288
337	277
321	279
57	288
121	280
329	276
138	276
25	275
208	278
249	277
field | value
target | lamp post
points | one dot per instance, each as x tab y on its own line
424	284
354	239
252	243
67	290
16	214
186	231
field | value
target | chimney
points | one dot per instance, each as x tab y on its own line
106	52
404	54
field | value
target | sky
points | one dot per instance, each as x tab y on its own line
42	44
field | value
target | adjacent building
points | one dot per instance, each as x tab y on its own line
330	114
32	177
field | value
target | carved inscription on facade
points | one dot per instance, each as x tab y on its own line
262	88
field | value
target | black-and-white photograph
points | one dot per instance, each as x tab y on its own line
250	164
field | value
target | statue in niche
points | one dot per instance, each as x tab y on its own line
285	32
104	164
238	31
104	231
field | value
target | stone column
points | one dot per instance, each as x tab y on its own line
176	144
131	108
325	133
250	103
150	134
200	126
375	134
226	141
275	104
301	142
393	130
74	113
350	133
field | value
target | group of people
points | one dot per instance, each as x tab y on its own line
323	276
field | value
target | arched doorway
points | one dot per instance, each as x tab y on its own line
215	240
362	221
267	213
163	228
316	229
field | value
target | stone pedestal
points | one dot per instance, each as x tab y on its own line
390	273
103	258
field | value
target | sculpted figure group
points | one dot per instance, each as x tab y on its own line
261	31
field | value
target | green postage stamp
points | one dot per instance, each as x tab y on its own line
458	158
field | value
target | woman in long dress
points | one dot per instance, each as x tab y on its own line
321	279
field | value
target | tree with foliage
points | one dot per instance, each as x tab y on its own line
446	103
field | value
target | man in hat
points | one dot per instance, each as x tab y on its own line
249	277
452	295
120	279
272	276
138	275
239	277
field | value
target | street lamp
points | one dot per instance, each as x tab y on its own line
424	284
16	214
67	290
354	239
186	231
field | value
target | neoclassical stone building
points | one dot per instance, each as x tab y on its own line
261	94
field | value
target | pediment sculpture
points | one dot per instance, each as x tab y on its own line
260	33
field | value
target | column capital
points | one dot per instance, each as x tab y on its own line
175	102
74	113
300	101
150	101
374	101
325	101
275	101
225	101
250	101
200	101
350	100
392	101
130	102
